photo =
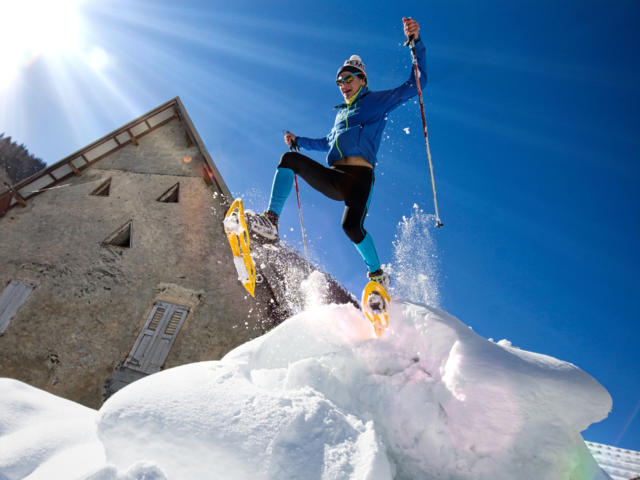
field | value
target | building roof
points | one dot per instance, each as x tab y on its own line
21	192
619	463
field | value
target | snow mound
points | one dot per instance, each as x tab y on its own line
320	397
42	435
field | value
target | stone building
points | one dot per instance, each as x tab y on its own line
114	264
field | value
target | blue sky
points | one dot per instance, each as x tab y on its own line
532	110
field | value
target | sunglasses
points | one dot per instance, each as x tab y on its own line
347	78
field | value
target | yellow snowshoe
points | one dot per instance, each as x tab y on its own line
235	226
375	305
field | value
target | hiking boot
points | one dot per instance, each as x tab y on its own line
376	303
264	225
380	277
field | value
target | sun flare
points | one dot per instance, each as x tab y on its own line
36	28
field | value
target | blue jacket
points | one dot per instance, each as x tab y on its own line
359	123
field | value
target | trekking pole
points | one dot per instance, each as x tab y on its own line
411	42
294	147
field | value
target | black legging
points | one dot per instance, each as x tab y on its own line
350	184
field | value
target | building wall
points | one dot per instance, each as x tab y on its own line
90	300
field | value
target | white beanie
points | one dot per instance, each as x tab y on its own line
354	65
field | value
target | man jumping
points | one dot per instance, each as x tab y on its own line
352	145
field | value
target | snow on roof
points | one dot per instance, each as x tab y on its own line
619	463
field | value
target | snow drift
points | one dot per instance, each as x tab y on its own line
43	436
319	397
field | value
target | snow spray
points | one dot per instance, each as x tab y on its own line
415	262
315	289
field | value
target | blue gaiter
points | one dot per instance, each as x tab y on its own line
280	190
368	251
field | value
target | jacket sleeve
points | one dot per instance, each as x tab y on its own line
390	99
321	144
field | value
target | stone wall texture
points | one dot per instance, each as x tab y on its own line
91	300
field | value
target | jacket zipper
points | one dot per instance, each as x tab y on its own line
346	121
346	127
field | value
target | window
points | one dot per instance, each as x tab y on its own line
103	190
171	195
11	300
121	237
157	337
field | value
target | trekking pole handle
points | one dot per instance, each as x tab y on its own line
294	144
411	41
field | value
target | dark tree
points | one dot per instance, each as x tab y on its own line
16	161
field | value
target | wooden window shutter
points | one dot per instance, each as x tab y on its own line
11	300
157	337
